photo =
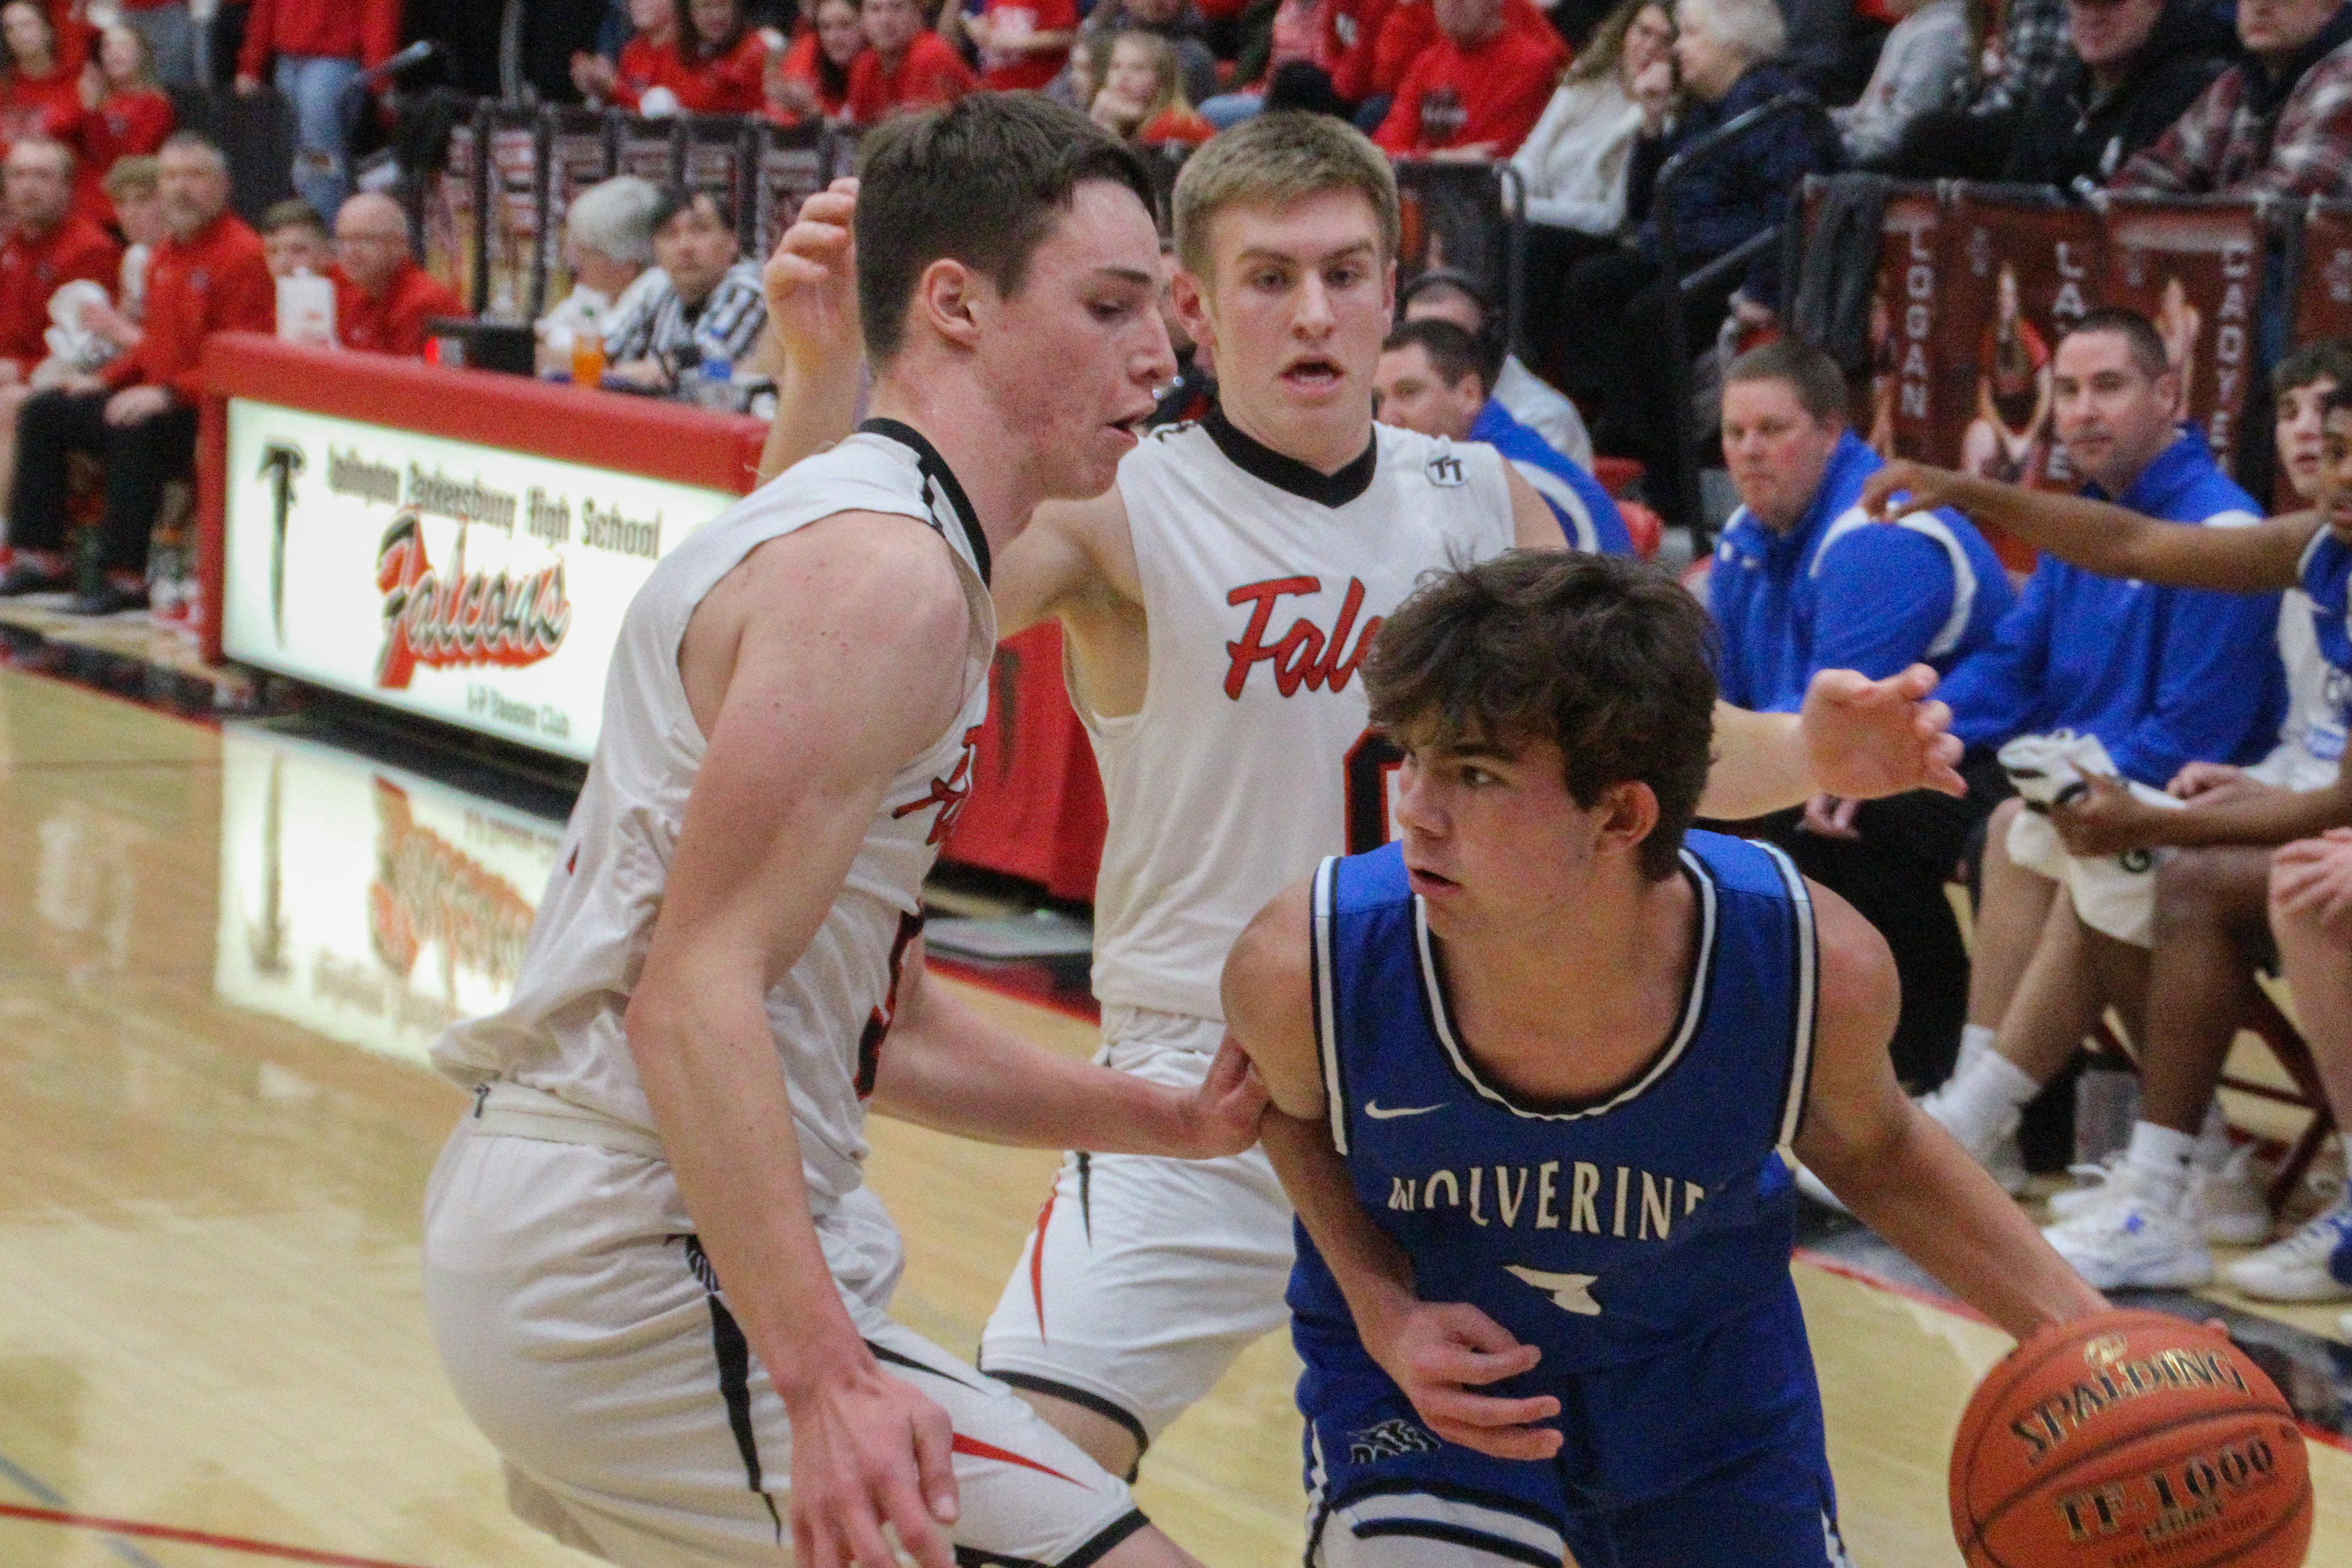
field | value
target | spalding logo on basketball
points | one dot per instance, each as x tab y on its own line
2131	1440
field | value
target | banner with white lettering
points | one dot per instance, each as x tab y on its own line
466	583
2196	272
2017	273
1903	357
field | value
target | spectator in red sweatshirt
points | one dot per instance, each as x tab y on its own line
382	298
138	416
811	80
905	66
49	244
1023	43
128	115
1480	87
319	47
40	93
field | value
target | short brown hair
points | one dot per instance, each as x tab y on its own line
2148	354
1812	374
294	212
2320	359
1609	659
1279	158
1453	352
129	174
979	182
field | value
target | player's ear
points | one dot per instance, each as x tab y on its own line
1629	815
945	298
1190	295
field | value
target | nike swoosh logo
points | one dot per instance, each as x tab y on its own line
1378	1112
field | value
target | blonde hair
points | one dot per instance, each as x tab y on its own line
1279	158
146	57
1168	71
1606	48
143	175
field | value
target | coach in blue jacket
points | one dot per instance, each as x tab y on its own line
1802	581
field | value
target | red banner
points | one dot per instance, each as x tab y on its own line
2015	276
2196	272
2323	293
1902	321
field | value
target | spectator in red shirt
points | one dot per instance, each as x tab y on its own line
138	416
640	68
382	298
296	240
320	47
1023	43
1480	87
811	80
905	66
49	244
128	115
41	94
696	56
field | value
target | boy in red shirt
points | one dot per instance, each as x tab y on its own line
382	298
1481	86
1023	43
138	416
906	66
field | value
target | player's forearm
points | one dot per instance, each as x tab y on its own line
816	405
951	1070
1372	1271
709	1071
1760	765
1921	1192
2096	536
2267	817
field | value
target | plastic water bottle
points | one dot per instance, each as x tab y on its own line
714	385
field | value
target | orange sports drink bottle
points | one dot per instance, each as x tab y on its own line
587	357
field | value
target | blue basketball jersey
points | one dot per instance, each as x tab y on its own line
2326	572
1617	1235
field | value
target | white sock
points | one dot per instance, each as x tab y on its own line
2159	1158
2213	1146
1975	1039
1983	1097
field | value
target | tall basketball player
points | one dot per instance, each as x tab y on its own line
1216	604
654	1274
1534	1069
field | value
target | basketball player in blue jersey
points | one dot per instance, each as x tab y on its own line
1535	1069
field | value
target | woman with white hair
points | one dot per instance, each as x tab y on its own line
1723	64
608	247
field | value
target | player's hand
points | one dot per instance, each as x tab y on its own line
1438	1352
1831	816
1903	488
136	405
870	1451
812	280
2196	778
1868	739
1221	1116
2313	878
2105	819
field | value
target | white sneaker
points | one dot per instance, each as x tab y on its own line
2228	1204
2295	1270
2231	1206
1999	1153
2130	1243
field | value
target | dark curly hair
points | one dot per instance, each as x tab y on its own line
1608	659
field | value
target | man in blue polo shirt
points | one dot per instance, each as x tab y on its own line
1802	581
1433	379
2161	677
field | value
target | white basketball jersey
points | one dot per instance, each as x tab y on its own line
1263	583
2311	739
562	1034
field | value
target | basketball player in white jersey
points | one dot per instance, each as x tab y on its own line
653	1273
1215	605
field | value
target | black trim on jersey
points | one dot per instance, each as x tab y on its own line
1262	462
1458	1535
883	1352
1106	1409
733	1354
1688	1019
1110	1535
934	466
1087	1194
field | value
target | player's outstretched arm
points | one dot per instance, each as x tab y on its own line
1438	1353
946	1067
816	669
2099	535
1856	738
1902	1173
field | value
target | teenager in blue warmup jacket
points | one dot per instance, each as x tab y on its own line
1432	378
1533	1070
2163	676
1802	581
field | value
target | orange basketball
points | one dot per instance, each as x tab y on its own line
2131	1440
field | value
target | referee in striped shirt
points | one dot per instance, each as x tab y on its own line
709	307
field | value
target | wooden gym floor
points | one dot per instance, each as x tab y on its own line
222	952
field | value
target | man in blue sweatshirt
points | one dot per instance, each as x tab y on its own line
2163	676
1435	377
1801	581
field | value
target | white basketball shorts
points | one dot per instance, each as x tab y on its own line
1144	1277
585	1332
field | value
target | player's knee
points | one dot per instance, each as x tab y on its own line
2198	884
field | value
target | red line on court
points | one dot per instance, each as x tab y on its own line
132	1527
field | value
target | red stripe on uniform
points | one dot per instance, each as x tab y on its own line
980	1450
1038	1260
